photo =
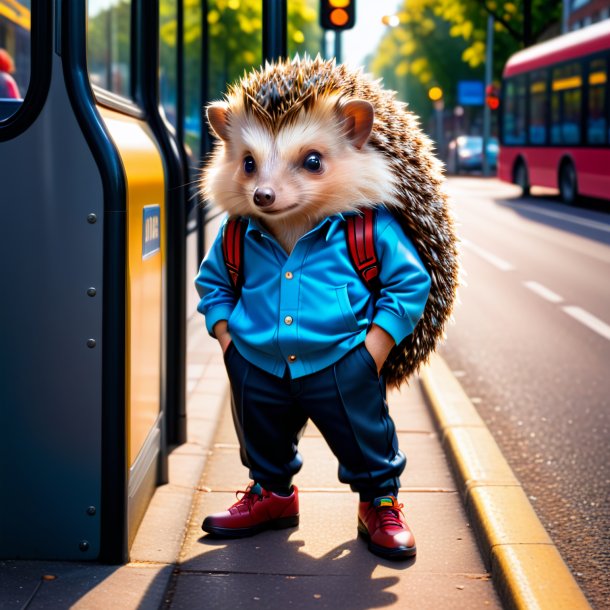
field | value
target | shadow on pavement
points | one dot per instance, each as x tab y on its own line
272	570
578	220
58	585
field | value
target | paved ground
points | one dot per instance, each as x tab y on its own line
320	564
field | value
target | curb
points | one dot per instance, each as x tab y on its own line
526	567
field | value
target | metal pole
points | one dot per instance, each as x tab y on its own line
275	21
439	114
565	16
180	72
338	47
488	78
205	143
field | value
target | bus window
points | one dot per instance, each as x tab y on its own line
109	45
538	112
15	54
596	115
514	111
566	101
304	32
168	57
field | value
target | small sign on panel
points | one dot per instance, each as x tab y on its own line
151	230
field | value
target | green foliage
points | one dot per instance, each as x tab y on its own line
439	42
108	47
235	37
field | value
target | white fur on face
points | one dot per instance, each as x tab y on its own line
349	179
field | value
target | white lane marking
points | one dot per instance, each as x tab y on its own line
544	292
584	317
496	261
585	222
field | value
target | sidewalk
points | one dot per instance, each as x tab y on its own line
322	563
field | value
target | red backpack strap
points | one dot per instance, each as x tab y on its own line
233	235
360	234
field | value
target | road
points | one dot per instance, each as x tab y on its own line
531	347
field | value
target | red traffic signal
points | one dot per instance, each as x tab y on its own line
337	14
492	97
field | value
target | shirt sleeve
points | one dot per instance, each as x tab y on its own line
214	287
404	279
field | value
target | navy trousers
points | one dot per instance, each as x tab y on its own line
346	401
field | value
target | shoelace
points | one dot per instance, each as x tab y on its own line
389	516
248	499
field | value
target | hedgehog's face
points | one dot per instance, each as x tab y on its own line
315	165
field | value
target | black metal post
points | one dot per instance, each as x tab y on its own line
205	135
180	72
338	47
275	21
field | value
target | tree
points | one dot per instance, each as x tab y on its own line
420	53
441	41
518	23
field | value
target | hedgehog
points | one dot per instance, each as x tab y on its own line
375	153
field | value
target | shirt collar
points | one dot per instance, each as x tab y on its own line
330	224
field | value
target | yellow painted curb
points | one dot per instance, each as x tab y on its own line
450	405
530	576
477	458
527	570
504	515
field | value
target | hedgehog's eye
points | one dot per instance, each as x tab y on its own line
313	162
249	164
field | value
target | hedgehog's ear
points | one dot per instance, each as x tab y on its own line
359	116
218	118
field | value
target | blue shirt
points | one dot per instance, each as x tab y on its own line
306	310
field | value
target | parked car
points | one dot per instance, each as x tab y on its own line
466	154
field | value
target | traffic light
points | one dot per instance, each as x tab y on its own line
337	14
492	97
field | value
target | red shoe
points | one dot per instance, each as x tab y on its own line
383	525
257	510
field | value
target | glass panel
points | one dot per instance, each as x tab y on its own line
236	39
168	57
109	45
566	104
15	53
538	99
305	36
514	112
193	73
598	88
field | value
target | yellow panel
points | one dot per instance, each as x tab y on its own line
17	13
571	82
597	78
145	189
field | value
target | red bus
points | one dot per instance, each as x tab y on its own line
555	118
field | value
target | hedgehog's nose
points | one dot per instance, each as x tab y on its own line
264	196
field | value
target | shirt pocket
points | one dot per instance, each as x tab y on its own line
345	307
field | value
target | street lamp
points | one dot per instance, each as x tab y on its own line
436	95
391	20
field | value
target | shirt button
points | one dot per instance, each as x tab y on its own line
288	320
292	358
288	275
